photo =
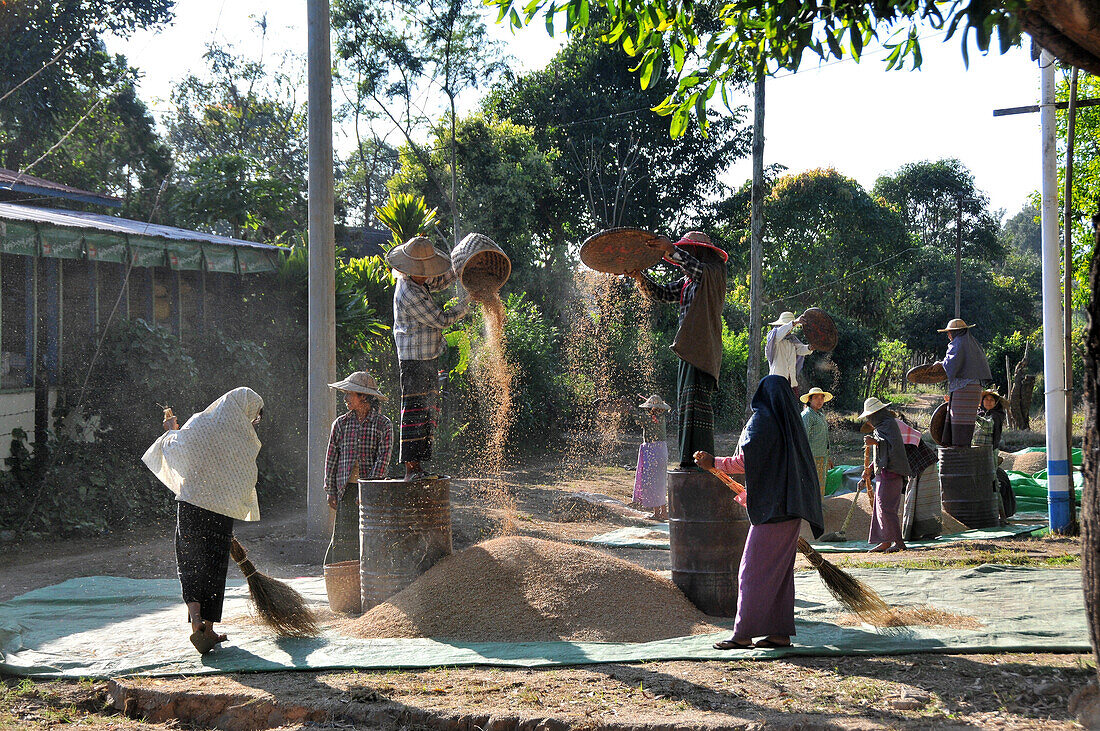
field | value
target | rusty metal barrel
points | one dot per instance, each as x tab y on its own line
968	479
404	529
707	531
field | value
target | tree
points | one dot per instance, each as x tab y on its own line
1022	232
708	48
615	162
943	209
392	53
241	149
55	67
829	244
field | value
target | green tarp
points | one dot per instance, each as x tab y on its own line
107	626
657	537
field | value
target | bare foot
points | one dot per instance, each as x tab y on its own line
881	548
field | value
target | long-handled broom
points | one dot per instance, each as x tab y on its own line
278	605
842	535
852	593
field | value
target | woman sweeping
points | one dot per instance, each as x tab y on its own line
210	465
891	468
781	485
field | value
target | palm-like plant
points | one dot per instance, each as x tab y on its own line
406	215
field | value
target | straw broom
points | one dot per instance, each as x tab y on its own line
278	605
852	593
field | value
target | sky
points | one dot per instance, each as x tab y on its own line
857	118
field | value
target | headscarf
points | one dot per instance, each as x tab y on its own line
891	455
210	461
780	474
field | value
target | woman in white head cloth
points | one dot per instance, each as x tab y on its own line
210	465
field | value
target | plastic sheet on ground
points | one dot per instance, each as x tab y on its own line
107	627
656	537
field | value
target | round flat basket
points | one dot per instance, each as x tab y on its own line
939	417
486	271
927	373
819	330
620	250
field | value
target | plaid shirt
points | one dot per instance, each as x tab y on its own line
683	289
418	321
366	442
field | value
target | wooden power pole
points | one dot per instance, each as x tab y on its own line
756	245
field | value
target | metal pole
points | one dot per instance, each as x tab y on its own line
756	245
1067	266
322	266
1058	498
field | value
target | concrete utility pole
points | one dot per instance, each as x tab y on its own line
1059	502
322	266
958	257
756	244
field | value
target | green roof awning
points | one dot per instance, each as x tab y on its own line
254	261
61	243
220	258
146	252
106	247
18	238
184	255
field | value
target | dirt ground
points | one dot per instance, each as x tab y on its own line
917	691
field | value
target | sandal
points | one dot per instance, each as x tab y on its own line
203	642
766	644
732	644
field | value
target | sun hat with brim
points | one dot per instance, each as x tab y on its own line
360	382
872	406
418	258
995	394
956	324
700	239
655	402
784	319
815	391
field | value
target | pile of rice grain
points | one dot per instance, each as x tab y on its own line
518	589
1029	463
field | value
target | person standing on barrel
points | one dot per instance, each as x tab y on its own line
781	492
359	447
966	367
418	324
701	293
890	468
785	351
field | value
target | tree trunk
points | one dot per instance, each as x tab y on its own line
1090	496
1019	395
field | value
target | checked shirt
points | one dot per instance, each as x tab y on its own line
418	321
367	443
684	288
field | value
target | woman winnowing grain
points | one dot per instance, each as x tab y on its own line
210	465
781	492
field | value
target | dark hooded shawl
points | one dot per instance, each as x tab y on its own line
891	453
780	475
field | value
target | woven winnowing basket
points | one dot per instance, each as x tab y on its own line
486	270
342	586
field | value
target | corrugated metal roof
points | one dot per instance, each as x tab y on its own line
23	183
114	224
